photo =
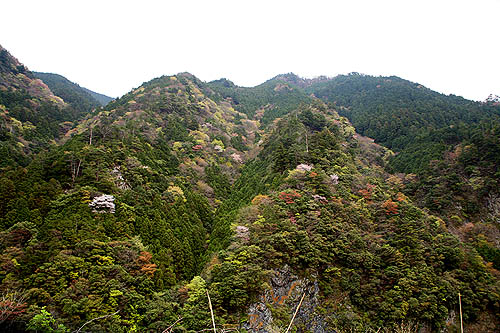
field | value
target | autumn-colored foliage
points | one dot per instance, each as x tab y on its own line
289	197
207	192
391	207
259	199
367	192
147	267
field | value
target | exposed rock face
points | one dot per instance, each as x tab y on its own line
103	204
285	291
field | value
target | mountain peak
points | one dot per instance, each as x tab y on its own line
223	82
290	78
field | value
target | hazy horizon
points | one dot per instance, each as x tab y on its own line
114	46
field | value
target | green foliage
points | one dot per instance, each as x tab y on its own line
45	322
218	181
196	312
276	97
79	98
393	111
32	118
190	220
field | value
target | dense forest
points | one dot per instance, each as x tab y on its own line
346	204
78	97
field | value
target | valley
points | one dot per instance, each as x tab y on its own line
345	204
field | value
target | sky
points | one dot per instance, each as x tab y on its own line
112	46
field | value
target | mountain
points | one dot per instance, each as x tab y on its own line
451	143
369	101
407	117
165	156
266	102
266	200
31	115
102	99
79	98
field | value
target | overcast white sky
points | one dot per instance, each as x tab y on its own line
113	46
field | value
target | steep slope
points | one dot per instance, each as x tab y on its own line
463	185
451	143
127	200
175	112
14	76
79	98
404	116
333	229
172	191
371	101
31	116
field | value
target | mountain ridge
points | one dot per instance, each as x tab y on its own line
259	197
79	97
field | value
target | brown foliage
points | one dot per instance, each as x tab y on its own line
391	207
147	267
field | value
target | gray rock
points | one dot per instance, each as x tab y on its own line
286	290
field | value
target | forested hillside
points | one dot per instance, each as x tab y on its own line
31	116
268	200
407	117
78	97
266	102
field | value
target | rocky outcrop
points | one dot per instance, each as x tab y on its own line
284	295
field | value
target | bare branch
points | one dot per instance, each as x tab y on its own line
91	320
211	311
297	310
460	303
12	303
167	330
